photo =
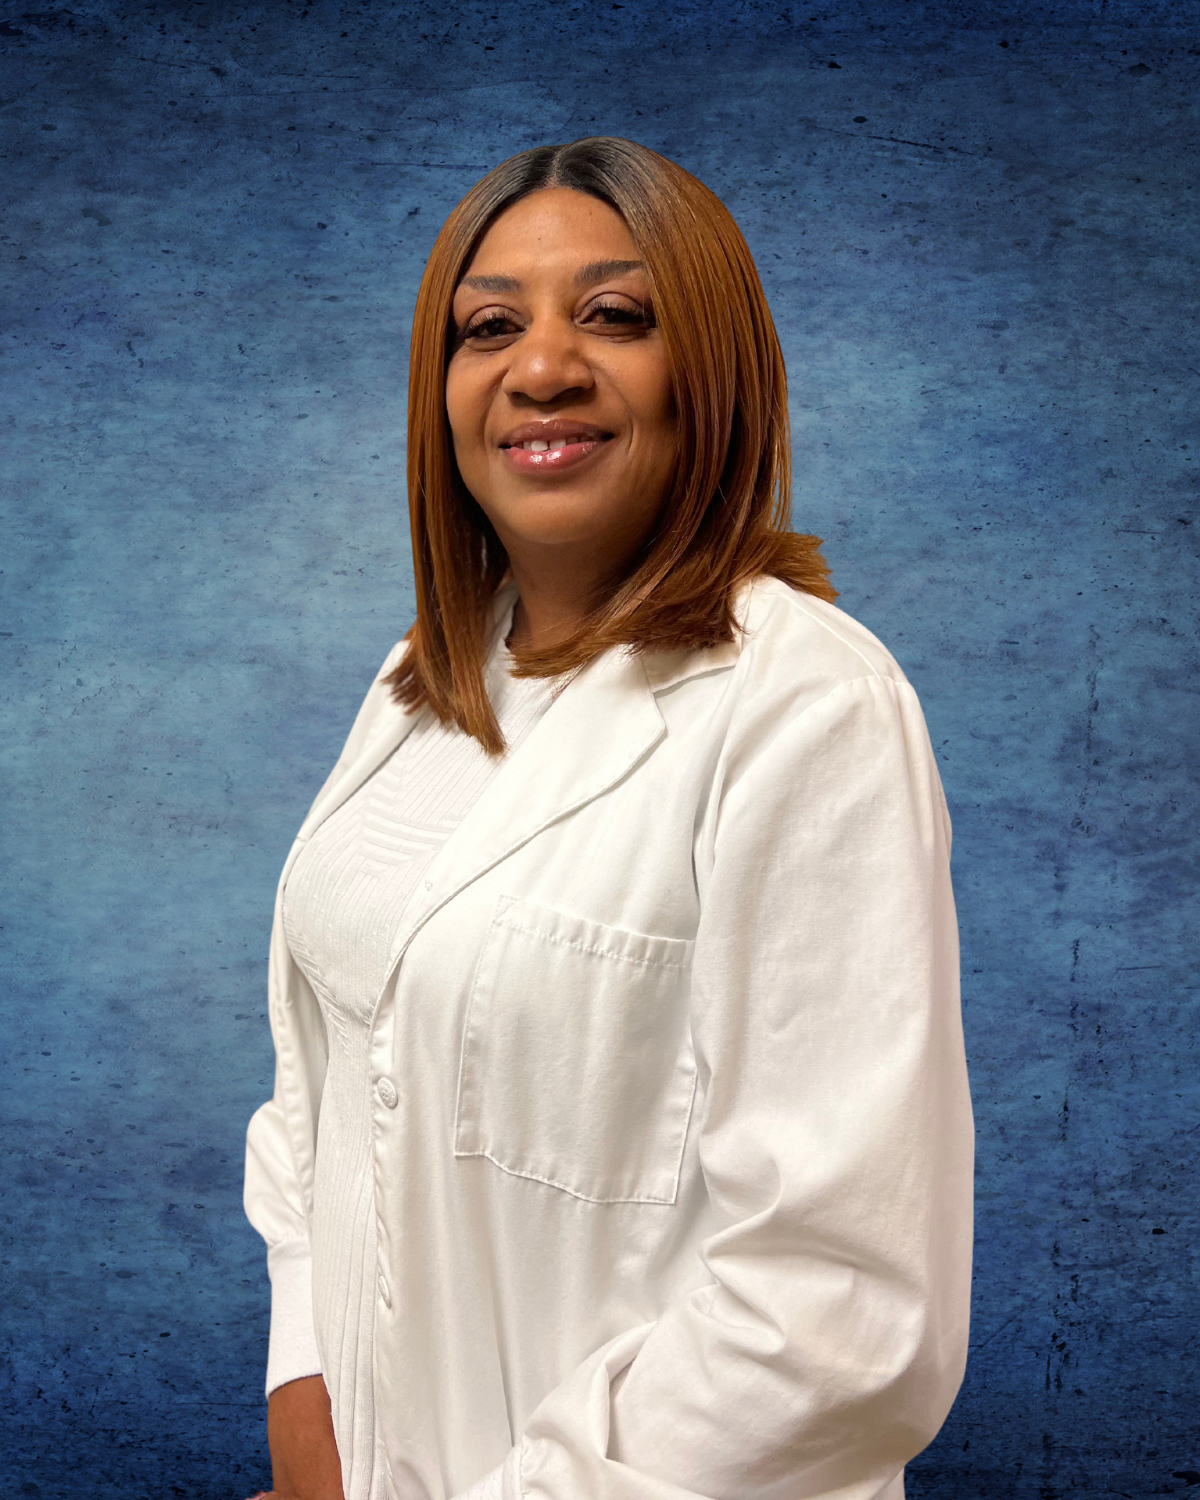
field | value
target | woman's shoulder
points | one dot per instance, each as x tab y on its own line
797	639
379	707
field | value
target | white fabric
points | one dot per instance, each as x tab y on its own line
675	1200
292	1346
491	1486
341	909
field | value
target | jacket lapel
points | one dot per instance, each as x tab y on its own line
598	729
390	730
603	723
388	725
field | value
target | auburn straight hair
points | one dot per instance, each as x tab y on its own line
727	513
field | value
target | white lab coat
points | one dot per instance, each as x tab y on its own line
671	1127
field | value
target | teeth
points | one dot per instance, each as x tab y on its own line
539	445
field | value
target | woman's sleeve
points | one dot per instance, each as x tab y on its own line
276	1176
829	1340
273	1206
274	1192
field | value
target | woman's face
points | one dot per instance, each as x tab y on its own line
558	391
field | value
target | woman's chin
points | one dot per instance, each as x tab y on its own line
562	519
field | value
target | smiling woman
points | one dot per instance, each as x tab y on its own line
593	284
560	404
616	960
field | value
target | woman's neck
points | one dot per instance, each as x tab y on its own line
551	608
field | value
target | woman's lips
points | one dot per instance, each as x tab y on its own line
545	456
548	447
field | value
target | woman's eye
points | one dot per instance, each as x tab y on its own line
619	315
493	326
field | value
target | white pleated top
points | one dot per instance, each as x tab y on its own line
342	909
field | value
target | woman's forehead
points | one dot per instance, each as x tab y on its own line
553	228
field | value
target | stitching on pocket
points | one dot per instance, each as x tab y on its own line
574	1192
562	942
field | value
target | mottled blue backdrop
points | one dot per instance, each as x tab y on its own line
977	226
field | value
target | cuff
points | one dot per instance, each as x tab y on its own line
292	1351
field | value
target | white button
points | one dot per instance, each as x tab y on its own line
386	1090
429	885
384	1295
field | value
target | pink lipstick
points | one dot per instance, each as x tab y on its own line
550	446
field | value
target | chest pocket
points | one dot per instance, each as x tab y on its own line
577	1066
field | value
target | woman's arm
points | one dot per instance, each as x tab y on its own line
828	1344
304	1455
300	1432
274	1205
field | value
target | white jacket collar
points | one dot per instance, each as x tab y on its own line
598	728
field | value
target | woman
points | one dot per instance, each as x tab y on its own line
617	957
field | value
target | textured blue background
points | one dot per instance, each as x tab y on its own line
215	219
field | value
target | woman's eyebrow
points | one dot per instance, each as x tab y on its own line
600	270
596	270
491	283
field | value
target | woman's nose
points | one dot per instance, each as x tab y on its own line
547	362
